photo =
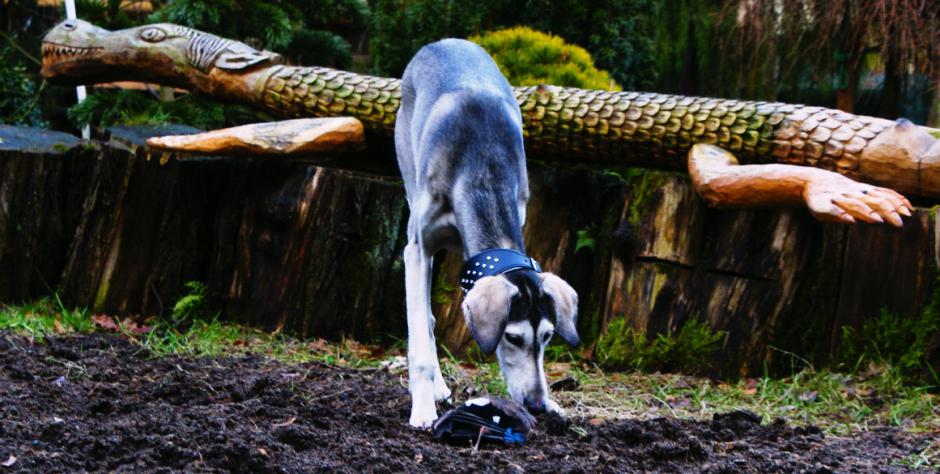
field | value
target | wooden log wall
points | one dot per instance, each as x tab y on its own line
317	252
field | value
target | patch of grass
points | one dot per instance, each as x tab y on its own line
689	350
838	403
196	336
214	338
489	379
891	339
560	352
191	331
44	317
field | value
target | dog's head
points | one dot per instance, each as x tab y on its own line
512	314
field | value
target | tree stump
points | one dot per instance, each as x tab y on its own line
286	245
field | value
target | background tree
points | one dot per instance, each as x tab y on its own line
300	30
18	94
400	27
842	40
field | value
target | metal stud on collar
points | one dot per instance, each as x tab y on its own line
493	262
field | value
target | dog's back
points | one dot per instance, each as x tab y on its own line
459	139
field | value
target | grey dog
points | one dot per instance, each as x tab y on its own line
458	137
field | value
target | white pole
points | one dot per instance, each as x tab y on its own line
80	90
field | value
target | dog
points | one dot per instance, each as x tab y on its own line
459	142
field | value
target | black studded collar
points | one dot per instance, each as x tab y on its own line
493	262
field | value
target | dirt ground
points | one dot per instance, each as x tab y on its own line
101	403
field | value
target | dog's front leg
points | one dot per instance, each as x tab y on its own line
422	355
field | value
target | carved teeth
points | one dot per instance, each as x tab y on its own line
58	51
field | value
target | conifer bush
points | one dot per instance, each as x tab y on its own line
528	57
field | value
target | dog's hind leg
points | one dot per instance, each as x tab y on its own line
422	354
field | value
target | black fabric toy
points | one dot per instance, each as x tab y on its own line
489	419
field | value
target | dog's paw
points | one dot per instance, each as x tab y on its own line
423	418
551	406
441	392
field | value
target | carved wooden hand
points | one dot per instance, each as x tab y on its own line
722	182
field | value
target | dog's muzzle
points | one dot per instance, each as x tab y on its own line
494	262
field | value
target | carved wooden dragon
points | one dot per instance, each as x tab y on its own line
833	148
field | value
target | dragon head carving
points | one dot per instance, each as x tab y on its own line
77	52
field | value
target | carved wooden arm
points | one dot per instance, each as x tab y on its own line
287	138
722	182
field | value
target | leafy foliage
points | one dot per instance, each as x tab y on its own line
689	350
18	93
193	305
104	13
400	28
190	326
261	24
890	339
295	28
107	108
320	47
528	57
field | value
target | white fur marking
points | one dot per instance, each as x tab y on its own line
423	366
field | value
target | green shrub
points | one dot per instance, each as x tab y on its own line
125	107
528	57
18	94
893	340
299	29
105	13
193	305
321	48
689	350
261	24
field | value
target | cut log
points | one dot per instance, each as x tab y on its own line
44	177
297	137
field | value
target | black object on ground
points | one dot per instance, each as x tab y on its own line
491	419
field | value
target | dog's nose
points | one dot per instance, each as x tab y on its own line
535	405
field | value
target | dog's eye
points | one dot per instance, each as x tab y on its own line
548	336
514	339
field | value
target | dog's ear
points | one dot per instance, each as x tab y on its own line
565	301
486	309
